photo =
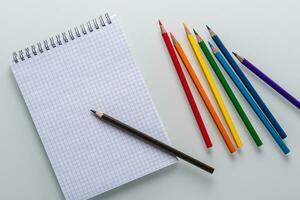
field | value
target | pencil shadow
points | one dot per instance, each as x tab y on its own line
259	149
233	156
285	157
209	151
240	151
179	166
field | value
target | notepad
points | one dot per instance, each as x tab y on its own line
61	79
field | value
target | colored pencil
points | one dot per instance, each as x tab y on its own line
247	83
213	87
203	94
249	99
228	90
185	86
268	80
143	136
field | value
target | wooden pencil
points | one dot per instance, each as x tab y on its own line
228	90
213	87
268	80
185	86
247	83
143	136
249	99
203	94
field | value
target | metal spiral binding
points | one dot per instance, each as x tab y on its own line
60	39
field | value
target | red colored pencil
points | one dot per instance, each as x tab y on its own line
185	86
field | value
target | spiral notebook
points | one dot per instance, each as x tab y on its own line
61	79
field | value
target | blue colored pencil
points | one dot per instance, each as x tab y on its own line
268	80
249	99
247	83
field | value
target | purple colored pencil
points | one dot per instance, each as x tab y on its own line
268	80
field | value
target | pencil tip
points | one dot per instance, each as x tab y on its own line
162	28
93	111
198	38
240	58
173	38
210	44
195	31
210	31
159	22
186	29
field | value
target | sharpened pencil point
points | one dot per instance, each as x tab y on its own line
159	22
173	38
210	31
93	111
210	44
195	32
240	58
162	28
186	29
213	48
198	38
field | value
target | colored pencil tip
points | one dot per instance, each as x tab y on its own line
159	22
198	38
210	31
210	44
93	111
186	29
240	58
162	28
195	32
173	38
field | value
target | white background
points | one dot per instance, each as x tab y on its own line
266	32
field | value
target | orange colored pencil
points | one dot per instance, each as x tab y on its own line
203	94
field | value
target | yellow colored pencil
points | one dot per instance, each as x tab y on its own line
213	87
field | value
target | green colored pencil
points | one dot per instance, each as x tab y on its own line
228	90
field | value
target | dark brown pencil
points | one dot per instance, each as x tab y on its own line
136	133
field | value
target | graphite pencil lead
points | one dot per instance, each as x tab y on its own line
186	29
240	58
93	111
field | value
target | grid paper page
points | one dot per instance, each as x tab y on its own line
60	86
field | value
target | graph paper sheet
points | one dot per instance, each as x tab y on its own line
62	84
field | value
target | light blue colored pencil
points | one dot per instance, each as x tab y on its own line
249	99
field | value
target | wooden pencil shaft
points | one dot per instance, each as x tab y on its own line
230	93
203	95
270	82
136	133
251	101
248	85
186	88
214	88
